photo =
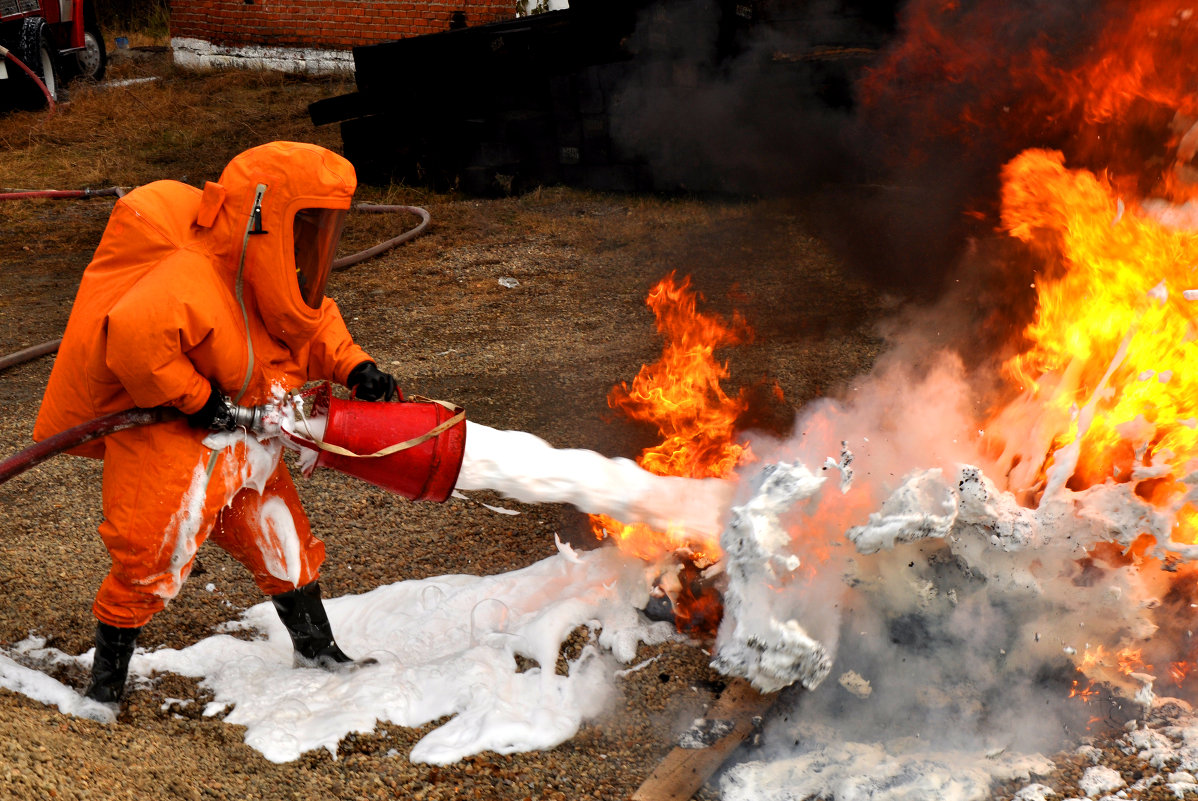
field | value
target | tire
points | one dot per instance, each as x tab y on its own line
91	62
36	49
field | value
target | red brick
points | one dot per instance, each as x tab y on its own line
311	23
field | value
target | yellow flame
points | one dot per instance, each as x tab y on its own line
1113	330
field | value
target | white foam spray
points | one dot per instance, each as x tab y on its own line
526	468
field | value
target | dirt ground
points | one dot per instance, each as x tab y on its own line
539	357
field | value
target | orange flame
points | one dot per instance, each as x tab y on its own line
1108	392
1131	660
1185	530
1106	372
680	395
991	74
1114	337
1084	693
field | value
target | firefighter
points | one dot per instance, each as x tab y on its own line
198	300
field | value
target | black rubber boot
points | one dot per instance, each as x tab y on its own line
114	647
302	612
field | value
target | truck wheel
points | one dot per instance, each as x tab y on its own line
36	49
92	60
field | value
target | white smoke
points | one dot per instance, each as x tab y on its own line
953	615
877	549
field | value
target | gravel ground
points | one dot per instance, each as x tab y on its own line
540	357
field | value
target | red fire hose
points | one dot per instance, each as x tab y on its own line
94	429
6	53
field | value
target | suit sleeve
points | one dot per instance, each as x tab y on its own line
149	332
333	352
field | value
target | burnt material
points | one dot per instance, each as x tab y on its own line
587	96
736	716
696	606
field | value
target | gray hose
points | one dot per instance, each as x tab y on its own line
412	233
28	354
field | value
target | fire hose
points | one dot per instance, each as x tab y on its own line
28	354
411	233
246	416
51	346
73	437
6	53
61	194
420	476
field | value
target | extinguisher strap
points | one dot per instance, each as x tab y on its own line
458	415
435	431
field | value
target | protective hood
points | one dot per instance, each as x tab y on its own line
273	202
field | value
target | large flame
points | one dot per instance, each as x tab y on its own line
1105	389
680	395
1112	347
1108	393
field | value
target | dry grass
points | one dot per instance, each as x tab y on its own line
171	127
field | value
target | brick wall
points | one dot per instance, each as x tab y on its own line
322	24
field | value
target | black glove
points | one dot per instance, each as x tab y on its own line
371	384
215	414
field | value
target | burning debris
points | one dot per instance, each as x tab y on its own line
1024	569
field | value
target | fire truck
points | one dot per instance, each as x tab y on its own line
58	40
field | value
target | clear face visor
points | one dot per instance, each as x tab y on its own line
317	232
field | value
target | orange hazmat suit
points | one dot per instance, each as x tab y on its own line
187	290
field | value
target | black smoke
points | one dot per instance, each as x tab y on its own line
894	117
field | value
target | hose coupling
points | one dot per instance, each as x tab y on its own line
251	417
